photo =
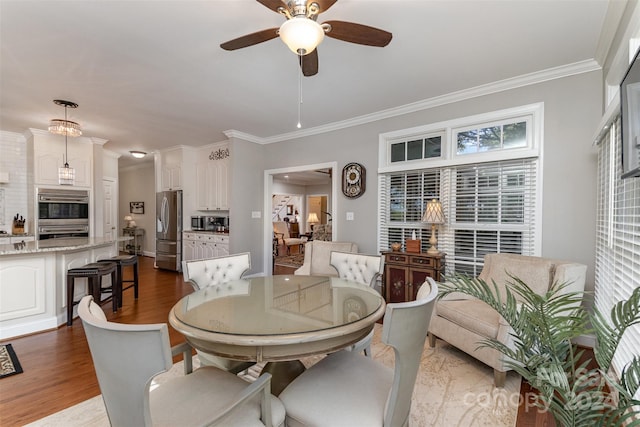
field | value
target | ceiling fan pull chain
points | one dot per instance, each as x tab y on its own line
300	92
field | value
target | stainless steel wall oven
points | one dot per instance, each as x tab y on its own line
62	213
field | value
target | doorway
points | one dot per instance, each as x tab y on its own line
328	169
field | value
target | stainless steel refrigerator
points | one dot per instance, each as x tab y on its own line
169	230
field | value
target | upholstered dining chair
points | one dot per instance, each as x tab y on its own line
201	273
361	268
208	396
219	271
317	257
377	395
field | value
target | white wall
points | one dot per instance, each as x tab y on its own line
137	184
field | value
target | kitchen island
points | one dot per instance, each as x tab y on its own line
33	280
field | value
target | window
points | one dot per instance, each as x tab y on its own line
417	149
617	264
499	136
486	179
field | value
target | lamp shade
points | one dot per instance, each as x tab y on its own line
433	214
313	218
128	218
301	34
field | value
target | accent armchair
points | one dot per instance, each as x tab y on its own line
464	321
208	396
348	389
281	232
317	257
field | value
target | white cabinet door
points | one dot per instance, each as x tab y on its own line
171	177
221	201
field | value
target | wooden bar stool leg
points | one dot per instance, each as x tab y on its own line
119	280
70	290
135	280
116	291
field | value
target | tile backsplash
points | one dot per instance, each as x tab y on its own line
13	194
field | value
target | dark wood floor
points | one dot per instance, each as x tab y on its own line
58	370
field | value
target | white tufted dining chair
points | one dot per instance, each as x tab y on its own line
217	273
361	268
201	273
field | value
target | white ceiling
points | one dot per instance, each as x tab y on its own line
150	74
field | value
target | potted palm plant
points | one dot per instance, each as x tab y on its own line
544	327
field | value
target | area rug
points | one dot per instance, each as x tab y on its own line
452	390
9	363
294	260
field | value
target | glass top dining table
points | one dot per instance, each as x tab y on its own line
273	318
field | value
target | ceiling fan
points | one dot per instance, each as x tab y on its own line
302	34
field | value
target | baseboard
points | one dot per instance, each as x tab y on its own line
588	341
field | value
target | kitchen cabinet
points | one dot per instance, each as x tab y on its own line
48	156
171	177
405	272
212	181
204	245
171	172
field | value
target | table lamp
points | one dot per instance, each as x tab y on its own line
130	222
312	219
433	215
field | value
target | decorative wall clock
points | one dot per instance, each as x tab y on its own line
353	180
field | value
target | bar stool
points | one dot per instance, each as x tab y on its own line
122	261
93	272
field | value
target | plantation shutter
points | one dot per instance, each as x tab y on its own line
489	208
617	264
492	209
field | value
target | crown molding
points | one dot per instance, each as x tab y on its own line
482	90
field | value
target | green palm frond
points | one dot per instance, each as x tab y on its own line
542	352
623	315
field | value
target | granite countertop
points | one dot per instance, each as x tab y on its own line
224	233
16	235
54	245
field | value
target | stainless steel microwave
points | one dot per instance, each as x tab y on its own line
198	223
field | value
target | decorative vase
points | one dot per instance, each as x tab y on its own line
396	246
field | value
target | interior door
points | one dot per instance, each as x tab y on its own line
110	217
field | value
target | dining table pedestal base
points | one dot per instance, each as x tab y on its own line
283	373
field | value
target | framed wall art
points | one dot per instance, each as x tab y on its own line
136	207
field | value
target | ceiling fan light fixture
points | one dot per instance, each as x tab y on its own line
301	34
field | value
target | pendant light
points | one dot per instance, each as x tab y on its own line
66	174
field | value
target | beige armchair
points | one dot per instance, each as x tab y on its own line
317	257
464	321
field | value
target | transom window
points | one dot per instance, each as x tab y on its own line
490	202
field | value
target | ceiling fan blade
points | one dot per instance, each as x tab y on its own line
323	4
272	4
250	39
309	63
358	33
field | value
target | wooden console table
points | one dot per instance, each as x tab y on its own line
135	246
404	272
